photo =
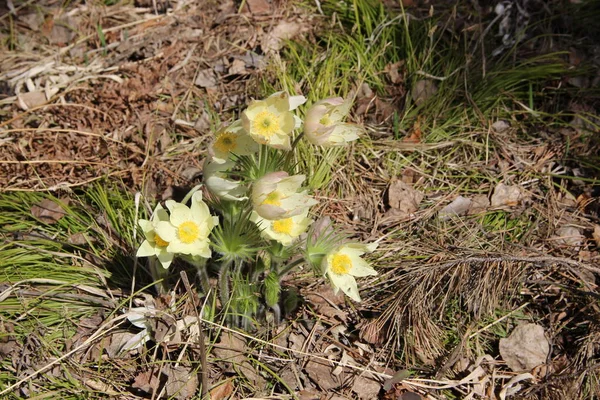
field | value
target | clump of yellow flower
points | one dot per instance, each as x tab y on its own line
344	263
188	227
276	196
229	140
323	125
286	230
155	245
271	121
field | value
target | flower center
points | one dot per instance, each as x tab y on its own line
160	242
283	226
265	124
341	264
273	198
226	142
188	232
325	120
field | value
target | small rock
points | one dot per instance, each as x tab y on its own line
500	126
460	206
505	195
569	236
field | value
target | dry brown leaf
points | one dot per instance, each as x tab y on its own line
596	235
182	382
392	70
258	7
525	348
325	301
479	204
403	199
366	388
146	381
79	239
232	349
423	91
222	391
284	30
207	78
31	99
321	373
49	211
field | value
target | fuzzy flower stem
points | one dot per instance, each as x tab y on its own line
190	194
204	281
224	291
276	313
291	153
285	270
159	276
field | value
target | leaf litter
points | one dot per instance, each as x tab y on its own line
113	120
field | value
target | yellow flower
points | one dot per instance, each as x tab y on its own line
275	196
155	245
342	264
286	230
189	227
215	179
324	127
229	140
270	121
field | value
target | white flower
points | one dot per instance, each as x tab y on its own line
275	196
323	125
270	121
232	139
286	230
189	227
216	180
155	245
342	264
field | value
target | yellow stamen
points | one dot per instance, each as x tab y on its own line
325	120
273	199
283	226
160	242
341	264
265	124
188	232
226	142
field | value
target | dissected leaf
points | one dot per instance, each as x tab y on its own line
525	348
